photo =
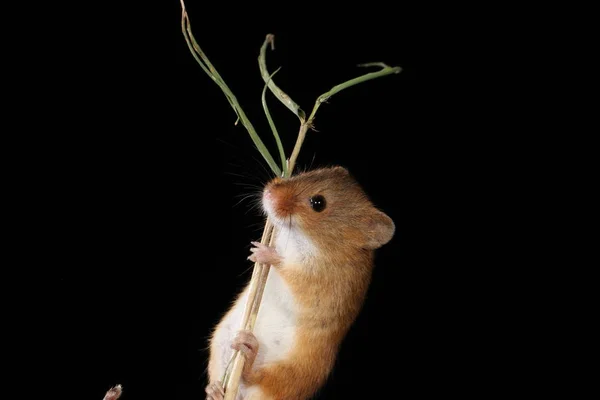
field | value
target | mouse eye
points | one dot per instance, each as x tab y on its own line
317	203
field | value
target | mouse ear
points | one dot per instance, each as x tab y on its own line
380	230
339	168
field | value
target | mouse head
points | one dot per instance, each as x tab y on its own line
328	206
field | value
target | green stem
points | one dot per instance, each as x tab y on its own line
280	94
273	127
386	70
301	135
212	72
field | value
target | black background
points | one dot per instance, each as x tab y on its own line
141	194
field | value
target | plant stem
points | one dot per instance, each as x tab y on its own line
273	127
280	94
215	76
255	292
301	135
386	70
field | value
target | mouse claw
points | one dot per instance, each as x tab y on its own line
264	254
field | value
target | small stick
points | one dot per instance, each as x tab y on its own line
266	239
262	281
257	284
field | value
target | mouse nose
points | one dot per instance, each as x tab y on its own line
271	188
268	195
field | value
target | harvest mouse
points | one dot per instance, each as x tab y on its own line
326	232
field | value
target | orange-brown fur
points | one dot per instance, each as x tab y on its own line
329	304
330	286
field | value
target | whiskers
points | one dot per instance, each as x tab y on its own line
254	200
257	227
246	270
252	187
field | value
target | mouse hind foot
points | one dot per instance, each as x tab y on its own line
214	391
247	344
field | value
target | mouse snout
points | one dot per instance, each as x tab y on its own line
278	199
268	194
271	188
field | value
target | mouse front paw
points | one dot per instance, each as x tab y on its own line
264	254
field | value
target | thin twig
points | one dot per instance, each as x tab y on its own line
257	286
301	135
261	287
254	284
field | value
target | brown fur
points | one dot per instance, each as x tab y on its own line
330	287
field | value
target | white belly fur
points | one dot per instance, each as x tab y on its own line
275	327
